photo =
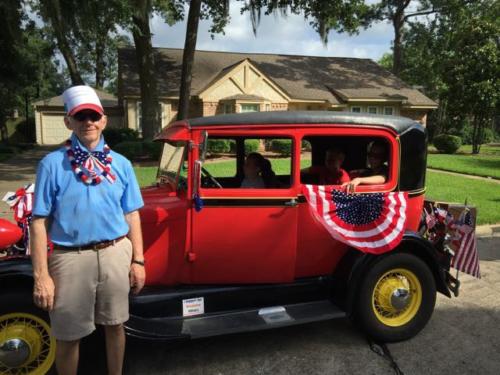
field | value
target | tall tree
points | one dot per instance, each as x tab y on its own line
455	58
150	111
188	58
400	12
27	69
471	64
86	34
216	10
338	15
52	12
94	25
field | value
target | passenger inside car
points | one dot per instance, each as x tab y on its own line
258	173
377	171
331	173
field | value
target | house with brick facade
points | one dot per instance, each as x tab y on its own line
227	82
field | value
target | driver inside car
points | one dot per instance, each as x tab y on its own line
258	173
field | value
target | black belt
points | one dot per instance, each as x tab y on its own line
90	246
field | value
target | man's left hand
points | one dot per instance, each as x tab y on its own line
137	278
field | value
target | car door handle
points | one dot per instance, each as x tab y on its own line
291	203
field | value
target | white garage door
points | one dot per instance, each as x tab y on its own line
54	131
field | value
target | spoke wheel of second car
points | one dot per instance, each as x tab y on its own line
26	346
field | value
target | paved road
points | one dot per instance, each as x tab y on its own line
463	337
19	171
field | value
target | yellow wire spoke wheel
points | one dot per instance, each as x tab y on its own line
397	297
26	346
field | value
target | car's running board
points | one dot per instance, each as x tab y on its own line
231	321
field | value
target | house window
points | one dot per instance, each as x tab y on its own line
356	109
388	111
164	114
268	107
250	108
228	108
372	110
138	117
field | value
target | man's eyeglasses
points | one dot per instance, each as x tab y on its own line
83	116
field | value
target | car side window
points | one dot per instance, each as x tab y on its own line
220	163
343	159
267	163
247	163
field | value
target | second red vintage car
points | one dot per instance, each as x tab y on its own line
225	257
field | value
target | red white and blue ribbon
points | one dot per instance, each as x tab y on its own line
21	202
373	223
90	167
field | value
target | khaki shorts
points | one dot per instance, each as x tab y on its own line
91	287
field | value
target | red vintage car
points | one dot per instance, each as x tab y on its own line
222	257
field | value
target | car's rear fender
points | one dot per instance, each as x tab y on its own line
350	270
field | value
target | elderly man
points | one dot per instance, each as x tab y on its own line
86	200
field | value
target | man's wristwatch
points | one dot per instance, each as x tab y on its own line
139	262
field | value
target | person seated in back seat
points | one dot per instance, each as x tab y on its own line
258	173
377	171
331	172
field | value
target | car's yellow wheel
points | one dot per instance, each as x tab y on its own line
396	297
26	346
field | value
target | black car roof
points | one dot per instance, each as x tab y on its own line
399	124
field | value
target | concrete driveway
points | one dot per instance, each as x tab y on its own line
19	171
463	337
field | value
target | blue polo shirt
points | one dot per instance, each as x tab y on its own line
78	213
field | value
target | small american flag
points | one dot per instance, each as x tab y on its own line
430	219
466	258
373	223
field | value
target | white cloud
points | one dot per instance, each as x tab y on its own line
276	34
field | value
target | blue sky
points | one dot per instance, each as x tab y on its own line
290	35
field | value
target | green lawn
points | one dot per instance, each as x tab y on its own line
146	176
487	163
485	195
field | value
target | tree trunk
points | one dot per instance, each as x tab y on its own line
99	63
145	63
398	22
53	12
188	57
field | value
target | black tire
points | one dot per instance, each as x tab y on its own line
395	323
18	302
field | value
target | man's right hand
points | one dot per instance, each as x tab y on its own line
43	292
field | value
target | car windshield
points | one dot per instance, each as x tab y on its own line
171	168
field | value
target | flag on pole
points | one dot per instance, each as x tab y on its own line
466	257
373	222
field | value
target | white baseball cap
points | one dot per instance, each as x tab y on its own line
78	98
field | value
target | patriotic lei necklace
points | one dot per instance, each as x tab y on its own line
85	164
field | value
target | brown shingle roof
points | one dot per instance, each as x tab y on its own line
107	100
331	79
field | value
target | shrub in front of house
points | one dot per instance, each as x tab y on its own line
282	146
152	149
218	146
232	146
113	136
132	150
251	145
447	144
